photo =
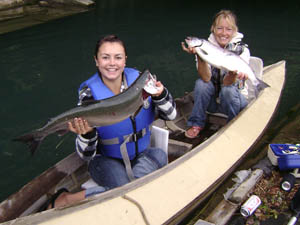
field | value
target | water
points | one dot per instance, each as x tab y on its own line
42	66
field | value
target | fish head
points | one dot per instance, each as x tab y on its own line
150	86
194	41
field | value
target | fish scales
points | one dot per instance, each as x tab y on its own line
226	60
100	113
221	58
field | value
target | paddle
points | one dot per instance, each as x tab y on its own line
295	207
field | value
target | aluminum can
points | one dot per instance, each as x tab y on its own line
241	84
250	205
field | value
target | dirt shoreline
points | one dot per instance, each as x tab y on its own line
287	130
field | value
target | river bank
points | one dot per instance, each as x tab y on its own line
18	14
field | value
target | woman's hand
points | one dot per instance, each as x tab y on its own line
159	88
242	76
188	50
231	77
80	126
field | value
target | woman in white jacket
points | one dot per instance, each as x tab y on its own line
217	90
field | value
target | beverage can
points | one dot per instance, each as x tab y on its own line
250	205
241	84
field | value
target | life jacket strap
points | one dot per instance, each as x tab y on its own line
126	159
136	136
132	138
129	138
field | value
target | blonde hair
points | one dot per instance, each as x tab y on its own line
229	16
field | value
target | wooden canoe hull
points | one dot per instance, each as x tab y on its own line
167	195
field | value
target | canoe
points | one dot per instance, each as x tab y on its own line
195	169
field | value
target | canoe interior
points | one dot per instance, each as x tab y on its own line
71	172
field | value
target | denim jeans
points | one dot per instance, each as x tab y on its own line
110	173
231	102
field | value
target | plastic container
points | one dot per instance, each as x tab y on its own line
285	156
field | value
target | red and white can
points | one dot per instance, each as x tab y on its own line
250	205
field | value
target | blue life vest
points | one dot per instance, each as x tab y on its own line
112	136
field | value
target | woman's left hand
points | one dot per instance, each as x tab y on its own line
80	126
242	76
189	50
231	77
159	87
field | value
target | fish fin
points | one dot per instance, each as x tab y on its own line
89	102
261	85
204	52
258	88
31	140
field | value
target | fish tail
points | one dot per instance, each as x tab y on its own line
32	140
261	85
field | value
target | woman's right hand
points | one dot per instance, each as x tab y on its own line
80	126
188	49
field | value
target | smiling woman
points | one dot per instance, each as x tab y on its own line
120	152
110	58
224	27
217	90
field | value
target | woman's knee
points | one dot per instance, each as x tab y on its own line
203	88
158	156
228	92
202	84
108	172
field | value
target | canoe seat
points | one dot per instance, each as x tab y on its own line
159	139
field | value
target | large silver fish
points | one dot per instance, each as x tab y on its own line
225	60
99	113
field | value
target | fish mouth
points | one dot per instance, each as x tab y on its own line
145	95
150	86
193	42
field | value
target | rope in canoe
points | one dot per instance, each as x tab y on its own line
139	207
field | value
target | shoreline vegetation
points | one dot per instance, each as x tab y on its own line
18	14
286	130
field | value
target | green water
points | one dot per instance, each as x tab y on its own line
42	66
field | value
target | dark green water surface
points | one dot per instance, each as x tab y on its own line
42	66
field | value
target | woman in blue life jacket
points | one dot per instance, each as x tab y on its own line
217	90
102	146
